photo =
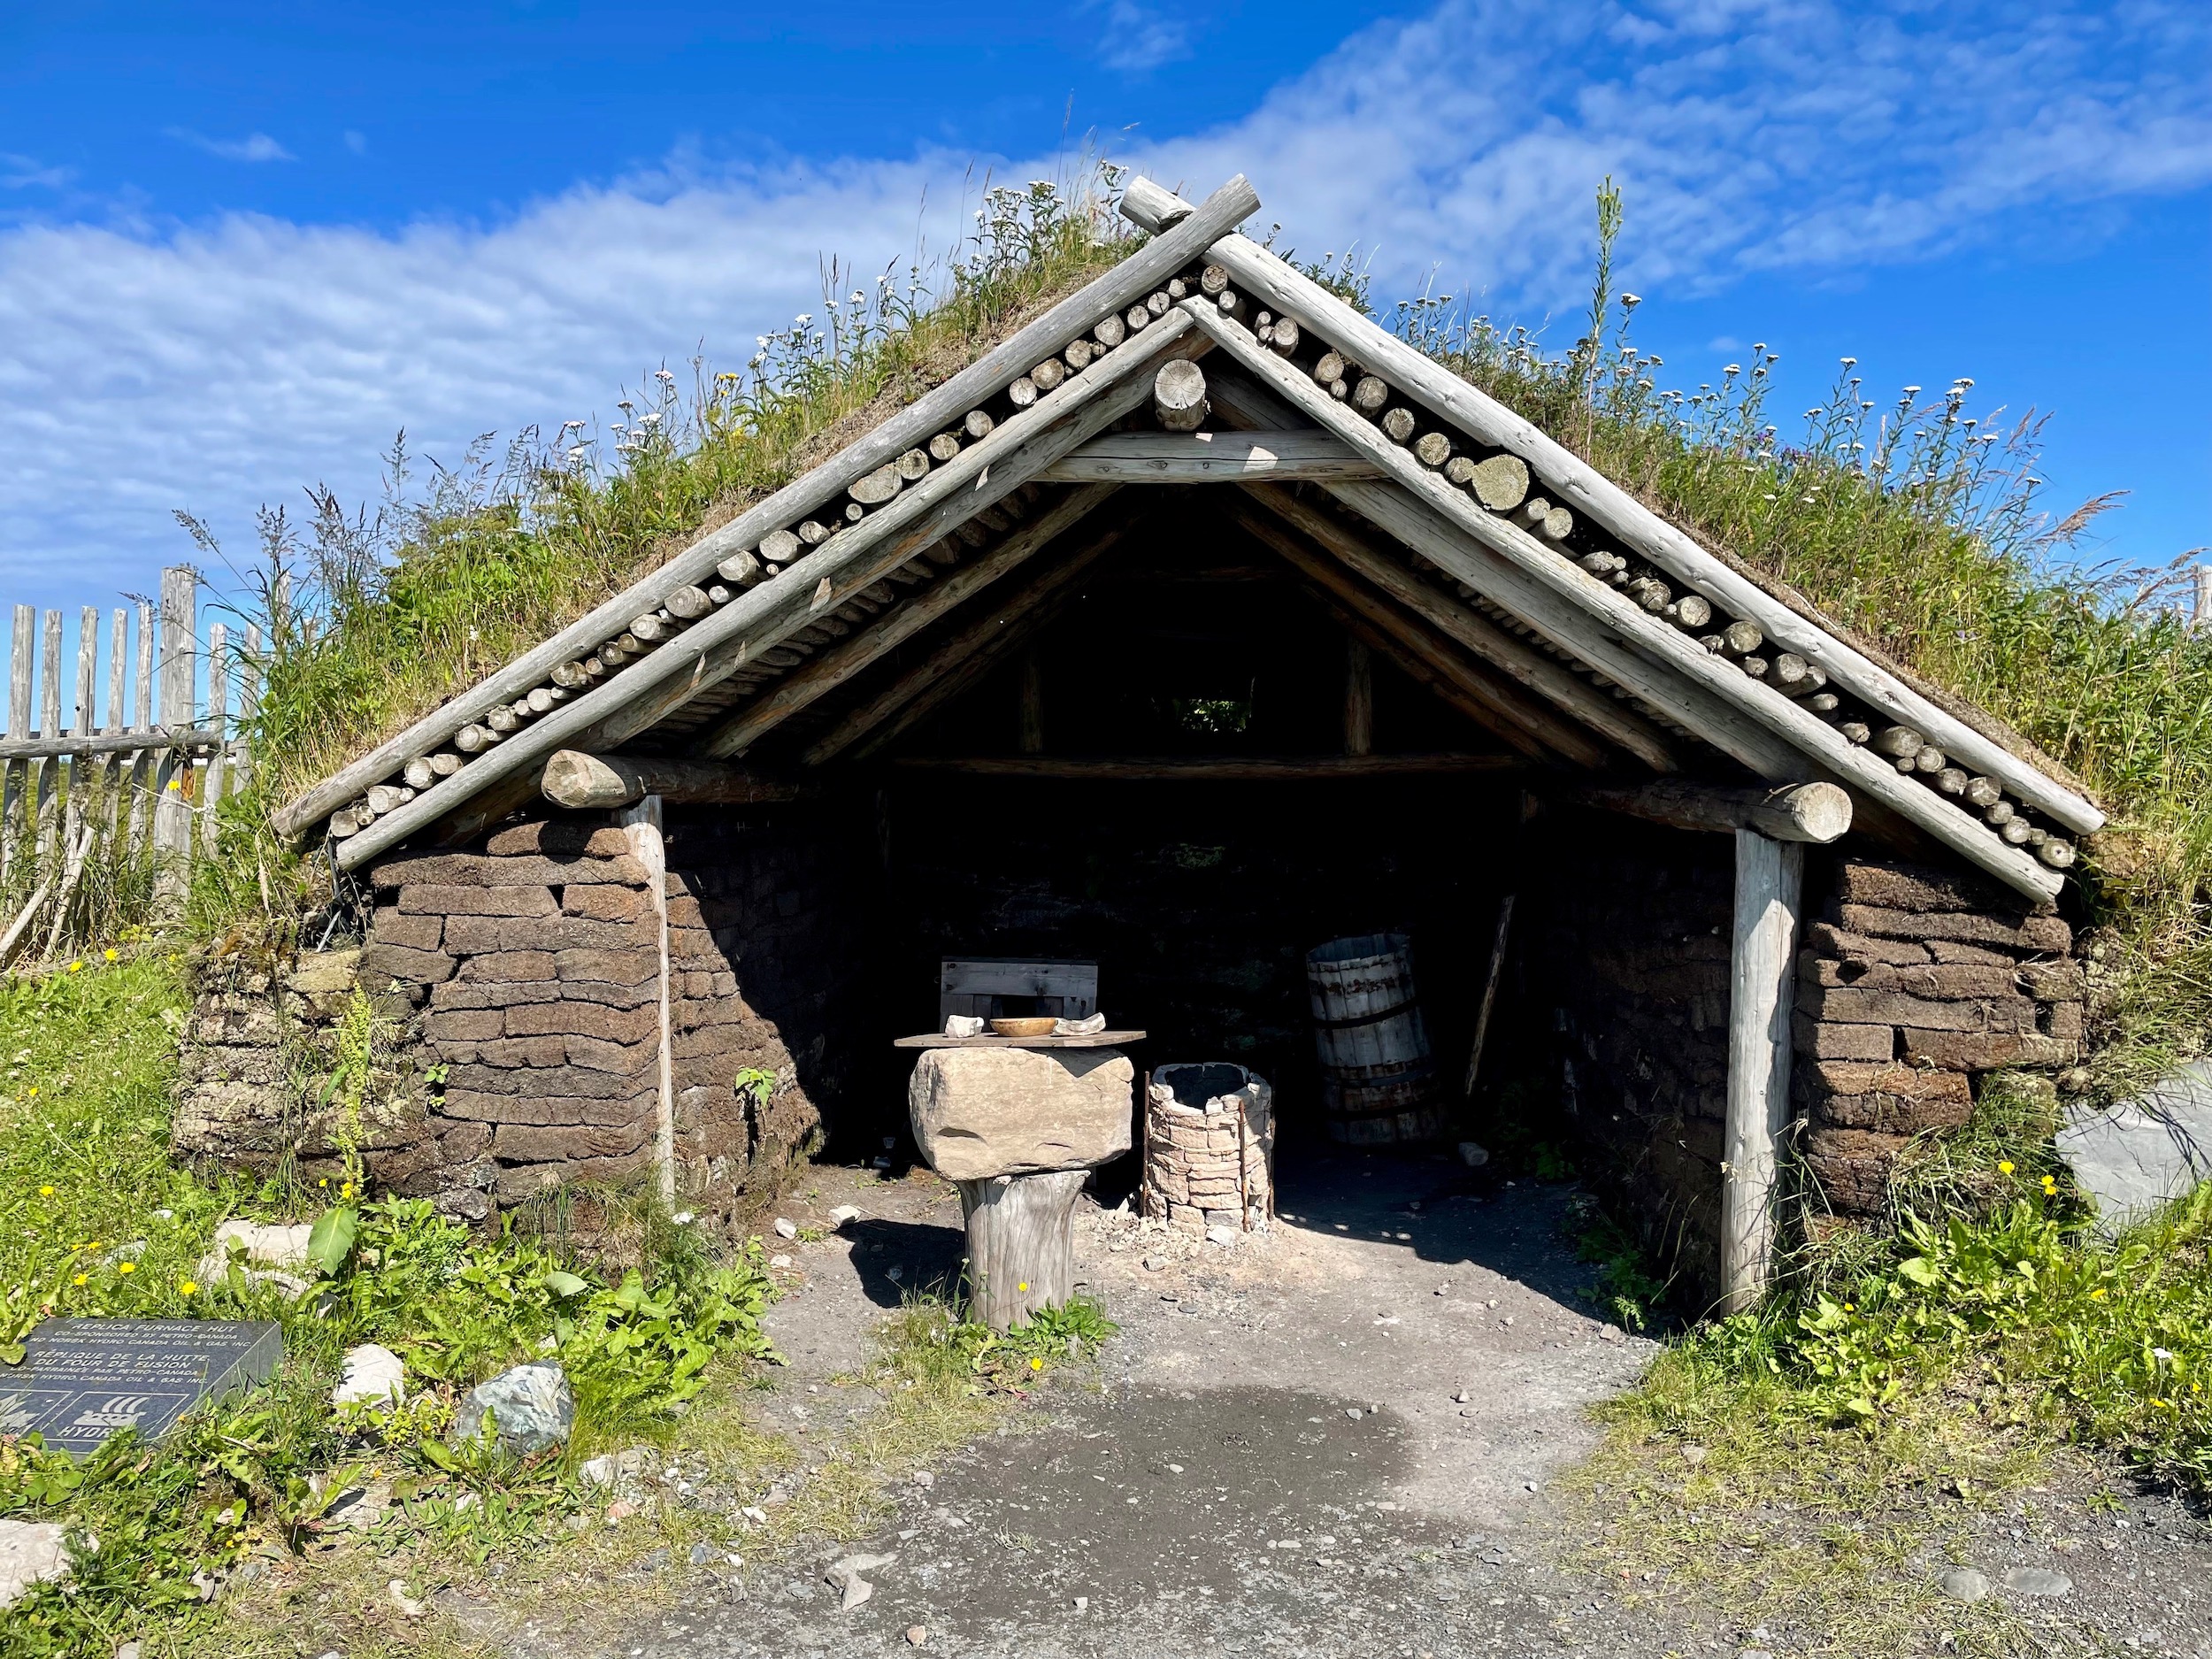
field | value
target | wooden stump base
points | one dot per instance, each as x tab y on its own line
1021	1244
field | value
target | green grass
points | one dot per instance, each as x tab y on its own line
96	1220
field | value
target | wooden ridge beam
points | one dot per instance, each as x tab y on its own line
958	661
1208	457
853	559
1148	268
1524	724
1210	768
1563	473
1477	633
800	688
1570	587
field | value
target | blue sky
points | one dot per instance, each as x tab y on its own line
240	246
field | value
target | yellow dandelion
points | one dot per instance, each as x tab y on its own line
324	1182
127	1267
2004	1166
45	1192
1024	1286
74	966
2097	1294
1036	1364
79	1279
186	1288
113	954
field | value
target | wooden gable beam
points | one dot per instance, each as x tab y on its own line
849	561
962	659
799	689
1274	282
1475	632
1498	708
1563	587
1147	269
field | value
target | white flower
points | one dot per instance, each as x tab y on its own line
2161	1353
683	1217
1630	302
803	318
663	374
1732	368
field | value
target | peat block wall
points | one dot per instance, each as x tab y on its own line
521	987
1913	985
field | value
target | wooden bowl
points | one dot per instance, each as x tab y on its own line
1031	1026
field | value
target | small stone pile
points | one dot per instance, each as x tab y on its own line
1209	1148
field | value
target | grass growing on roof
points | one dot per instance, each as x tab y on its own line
1922	526
459	570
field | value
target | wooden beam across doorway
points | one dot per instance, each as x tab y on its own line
583	782
1206	768
1816	812
1209	457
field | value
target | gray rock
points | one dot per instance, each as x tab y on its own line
2142	1153
2037	1581
613	1469
1964	1583
373	1375
981	1113
31	1552
531	1407
701	1555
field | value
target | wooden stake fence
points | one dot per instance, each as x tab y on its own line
74	791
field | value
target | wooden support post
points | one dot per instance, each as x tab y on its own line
1021	1244
642	826
83	769
1359	698
1769	882
1032	734
139	793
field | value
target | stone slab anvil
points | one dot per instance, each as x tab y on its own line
978	1113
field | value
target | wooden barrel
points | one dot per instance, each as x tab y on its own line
1378	1081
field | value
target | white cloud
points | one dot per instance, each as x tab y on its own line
25	172
1139	37
215	366
253	147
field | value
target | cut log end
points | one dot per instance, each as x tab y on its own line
1179	396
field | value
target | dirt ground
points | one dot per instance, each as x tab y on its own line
1340	1438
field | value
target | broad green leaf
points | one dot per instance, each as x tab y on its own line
331	1241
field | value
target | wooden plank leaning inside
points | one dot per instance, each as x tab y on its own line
1147	269
1208	457
1569	586
853	559
584	782
901	622
1263	277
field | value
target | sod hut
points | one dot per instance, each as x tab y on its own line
1200	622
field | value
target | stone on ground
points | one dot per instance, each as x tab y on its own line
532	1410
2037	1581
981	1113
1964	1583
373	1375
31	1553
2142	1152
